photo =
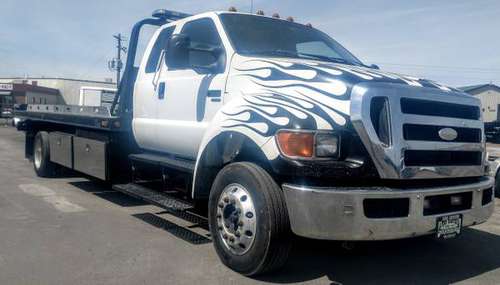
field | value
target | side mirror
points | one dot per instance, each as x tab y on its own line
374	66
177	55
180	49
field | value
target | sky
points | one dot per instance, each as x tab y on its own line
456	42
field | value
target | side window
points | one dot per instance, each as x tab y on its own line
203	34
158	47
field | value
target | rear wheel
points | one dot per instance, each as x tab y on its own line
248	220
41	155
497	185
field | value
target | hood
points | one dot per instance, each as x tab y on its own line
273	71
311	94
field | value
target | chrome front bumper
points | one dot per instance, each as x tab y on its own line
338	213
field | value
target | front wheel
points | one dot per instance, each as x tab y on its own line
248	220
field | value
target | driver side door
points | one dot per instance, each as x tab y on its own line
191	95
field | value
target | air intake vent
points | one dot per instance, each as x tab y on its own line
379	113
442	158
439	109
414	132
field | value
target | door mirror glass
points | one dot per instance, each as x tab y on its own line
177	56
198	47
182	53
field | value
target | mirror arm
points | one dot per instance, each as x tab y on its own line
210	68
215	51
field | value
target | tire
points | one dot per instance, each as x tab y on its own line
271	239
497	185
41	156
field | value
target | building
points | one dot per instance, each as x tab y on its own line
489	94
22	93
69	89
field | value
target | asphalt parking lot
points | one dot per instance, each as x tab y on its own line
74	231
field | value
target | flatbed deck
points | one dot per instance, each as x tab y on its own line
72	115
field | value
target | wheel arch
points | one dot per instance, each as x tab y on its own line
225	148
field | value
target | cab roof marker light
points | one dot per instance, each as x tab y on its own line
309	25
168	15
260	13
232	9
290	19
276	15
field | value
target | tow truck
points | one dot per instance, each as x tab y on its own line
276	129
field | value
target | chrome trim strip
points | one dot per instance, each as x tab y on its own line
441	121
430	145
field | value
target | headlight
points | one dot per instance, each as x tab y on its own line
308	145
327	145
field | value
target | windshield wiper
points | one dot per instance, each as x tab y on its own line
328	58
278	52
288	53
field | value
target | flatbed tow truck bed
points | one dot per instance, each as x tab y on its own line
69	115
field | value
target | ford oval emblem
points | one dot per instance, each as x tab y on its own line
448	134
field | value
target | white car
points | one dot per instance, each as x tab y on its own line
16	121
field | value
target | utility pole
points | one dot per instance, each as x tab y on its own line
116	64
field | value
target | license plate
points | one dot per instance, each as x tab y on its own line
448	226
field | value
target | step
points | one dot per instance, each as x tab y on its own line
168	161
154	197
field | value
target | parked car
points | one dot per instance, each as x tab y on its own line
494	160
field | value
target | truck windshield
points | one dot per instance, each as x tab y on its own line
263	36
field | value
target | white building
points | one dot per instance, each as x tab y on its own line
68	88
489	94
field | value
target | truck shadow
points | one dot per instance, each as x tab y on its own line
159	220
104	191
421	260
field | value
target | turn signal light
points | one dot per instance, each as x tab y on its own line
296	144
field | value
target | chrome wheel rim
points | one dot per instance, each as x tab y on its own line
236	219
38	153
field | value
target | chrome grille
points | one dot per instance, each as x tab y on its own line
417	150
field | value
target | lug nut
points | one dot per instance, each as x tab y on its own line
240	224
237	234
226	200
231	239
224	236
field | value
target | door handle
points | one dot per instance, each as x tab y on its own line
214	95
161	91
